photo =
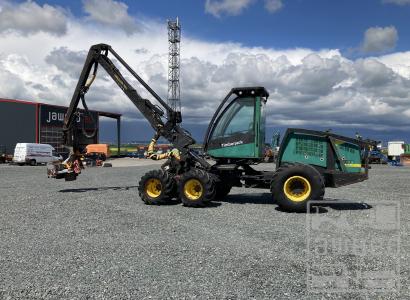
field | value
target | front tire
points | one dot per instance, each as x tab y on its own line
293	185
33	162
156	187
196	188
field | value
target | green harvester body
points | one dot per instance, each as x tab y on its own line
236	134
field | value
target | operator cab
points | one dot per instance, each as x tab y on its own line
237	129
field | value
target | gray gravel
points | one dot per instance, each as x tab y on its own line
94	238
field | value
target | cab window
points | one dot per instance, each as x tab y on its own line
238	118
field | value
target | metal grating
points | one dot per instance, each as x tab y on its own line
53	135
310	147
345	148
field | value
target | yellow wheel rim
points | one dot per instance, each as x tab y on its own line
153	187
193	189
297	188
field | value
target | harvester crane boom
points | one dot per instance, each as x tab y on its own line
98	55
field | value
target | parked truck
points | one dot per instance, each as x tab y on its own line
395	149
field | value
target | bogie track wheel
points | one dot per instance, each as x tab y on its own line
196	188
156	187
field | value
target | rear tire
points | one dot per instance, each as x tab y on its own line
156	187
196	188
293	185
33	162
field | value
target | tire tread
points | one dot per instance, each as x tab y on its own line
208	183
167	183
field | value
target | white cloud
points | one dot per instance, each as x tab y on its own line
398	2
273	6
141	51
228	7
217	8
111	13
379	39
67	61
308	87
399	62
29	17
15	87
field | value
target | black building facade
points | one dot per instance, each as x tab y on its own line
31	122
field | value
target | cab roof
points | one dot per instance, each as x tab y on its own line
250	91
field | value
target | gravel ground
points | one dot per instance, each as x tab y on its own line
94	238
132	162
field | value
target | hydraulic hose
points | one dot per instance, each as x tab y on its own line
87	85
90	136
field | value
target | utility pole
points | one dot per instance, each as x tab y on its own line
174	39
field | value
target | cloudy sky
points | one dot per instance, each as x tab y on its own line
343	65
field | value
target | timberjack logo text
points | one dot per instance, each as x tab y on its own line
232	144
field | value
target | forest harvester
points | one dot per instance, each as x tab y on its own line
308	161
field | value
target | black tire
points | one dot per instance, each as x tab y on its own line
293	185
196	188
156	187
222	187
70	176
33	162
222	190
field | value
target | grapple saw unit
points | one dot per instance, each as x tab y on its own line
308	160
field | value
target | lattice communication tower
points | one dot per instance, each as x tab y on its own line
174	39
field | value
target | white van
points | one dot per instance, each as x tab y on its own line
33	154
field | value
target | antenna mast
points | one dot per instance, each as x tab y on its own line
174	39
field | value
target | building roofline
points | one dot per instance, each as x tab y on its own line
100	113
18	101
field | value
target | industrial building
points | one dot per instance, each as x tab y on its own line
32	122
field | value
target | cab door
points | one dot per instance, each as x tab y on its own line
236	133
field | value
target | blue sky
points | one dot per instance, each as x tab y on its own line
327	64
315	24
